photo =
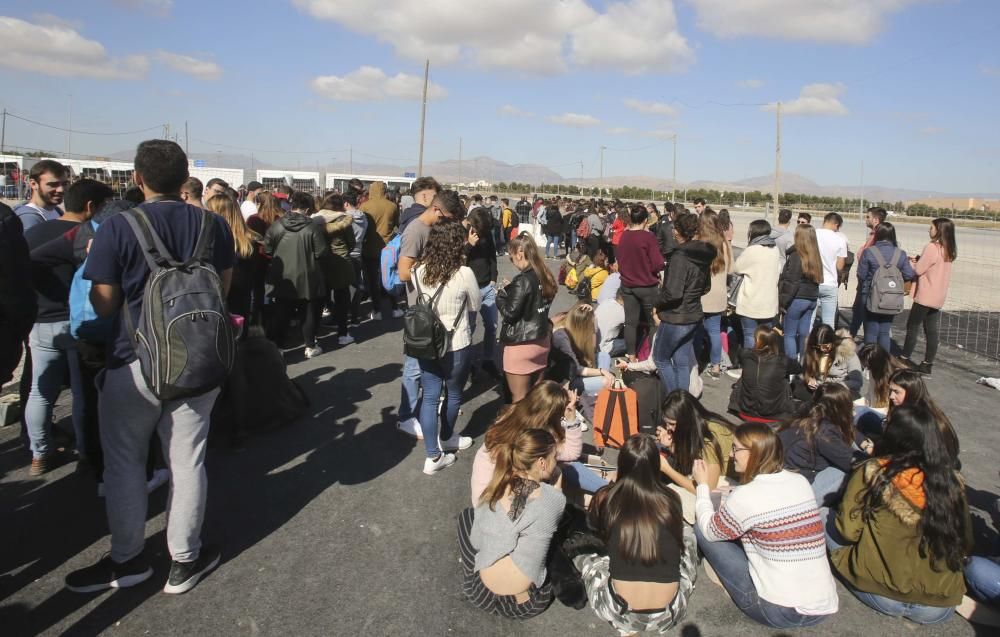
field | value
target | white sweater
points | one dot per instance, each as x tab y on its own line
776	519
758	296
462	285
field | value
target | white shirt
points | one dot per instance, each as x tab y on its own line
610	316
831	247
248	208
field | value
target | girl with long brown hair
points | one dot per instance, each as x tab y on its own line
246	292
933	268
504	541
715	301
269	210
574	357
524	305
798	289
651	556
777	573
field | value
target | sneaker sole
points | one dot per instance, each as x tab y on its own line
407	433
439	469
190	582
121	582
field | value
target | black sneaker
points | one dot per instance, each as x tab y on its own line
925	369
107	573
184	575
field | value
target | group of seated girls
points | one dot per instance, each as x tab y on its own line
778	511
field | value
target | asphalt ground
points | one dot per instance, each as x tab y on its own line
328	527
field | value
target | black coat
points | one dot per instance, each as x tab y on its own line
554	222
524	310
688	278
665	237
792	284
763	390
18	303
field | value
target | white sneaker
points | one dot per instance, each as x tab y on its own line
326	313
456	443
433	466
397	313
411	428
346	339
375	316
734	373
160	478
312	352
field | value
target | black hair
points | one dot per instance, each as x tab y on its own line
482	222
758	228
448	200
886	232
333	202
425	183
48	166
134	195
638	214
351	197
162	165
302	201
879	212
356	185
834	218
687	225
784	216
86	191
216	181
805	215
699	200
692	434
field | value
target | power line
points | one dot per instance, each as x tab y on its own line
264	150
81	132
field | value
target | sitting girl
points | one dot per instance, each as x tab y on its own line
762	393
829	357
504	542
644	581
903	529
574	357
780	575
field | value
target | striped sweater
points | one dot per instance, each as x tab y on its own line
776	519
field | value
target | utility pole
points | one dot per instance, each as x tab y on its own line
3	132
861	210
600	183
187	151
252	162
777	161
460	161
351	158
673	184
69	125
423	120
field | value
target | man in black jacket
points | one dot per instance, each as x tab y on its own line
18	304
665	232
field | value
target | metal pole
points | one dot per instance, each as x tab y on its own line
600	183
187	151
777	160
423	120
459	161
3	132
673	185
861	210
69	126
351	159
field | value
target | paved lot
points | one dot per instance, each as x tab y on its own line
328	527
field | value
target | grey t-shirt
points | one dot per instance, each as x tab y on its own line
412	246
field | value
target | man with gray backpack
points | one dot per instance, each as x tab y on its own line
162	270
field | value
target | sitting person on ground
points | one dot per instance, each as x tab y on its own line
762	392
611	285
871	410
595	275
574	357
610	318
690	432
646	365
778	573
903	528
450	287
644	581
524	306
504	541
576	261
818	443
981	604
829	357
907	387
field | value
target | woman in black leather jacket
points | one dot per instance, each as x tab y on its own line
524	306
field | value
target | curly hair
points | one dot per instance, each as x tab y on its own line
444	253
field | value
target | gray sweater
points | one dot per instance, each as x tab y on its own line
526	540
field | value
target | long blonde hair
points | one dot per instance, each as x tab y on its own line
542	408
808	251
528	447
525	243
244	238
582	332
711	233
268	207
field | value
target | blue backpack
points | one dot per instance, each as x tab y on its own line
84	323
389	263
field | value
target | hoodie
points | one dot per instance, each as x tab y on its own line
300	257
688	278
384	212
760	266
409	215
359	223
339	228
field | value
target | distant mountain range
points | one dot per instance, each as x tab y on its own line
495	171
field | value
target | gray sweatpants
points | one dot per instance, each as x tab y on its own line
129	413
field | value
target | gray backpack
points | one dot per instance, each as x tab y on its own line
184	341
885	296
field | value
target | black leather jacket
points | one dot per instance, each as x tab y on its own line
525	312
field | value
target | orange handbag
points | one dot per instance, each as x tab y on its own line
616	416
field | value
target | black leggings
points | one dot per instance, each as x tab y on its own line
284	310
931	320
638	306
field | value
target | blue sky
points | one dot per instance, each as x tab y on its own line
910	87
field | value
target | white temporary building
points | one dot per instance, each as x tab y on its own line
294	179
232	176
338	181
117	173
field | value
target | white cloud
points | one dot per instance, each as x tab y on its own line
156	7
659	134
841	21
201	69
618	130
814	99
651	108
369	83
633	36
509	110
61	51
576	120
750	84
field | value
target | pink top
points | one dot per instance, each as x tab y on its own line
933	277
483	465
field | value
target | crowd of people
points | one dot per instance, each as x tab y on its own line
832	463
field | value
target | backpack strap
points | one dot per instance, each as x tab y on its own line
879	257
895	256
155	252
206	241
461	311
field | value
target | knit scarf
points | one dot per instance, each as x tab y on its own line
765	241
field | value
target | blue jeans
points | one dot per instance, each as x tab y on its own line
410	389
553	240
571	241
731	565
858	311
449	373
583	478
52	349
917	613
826	485
749	325
982	576
827	305
713	325
592	385
798	322
489	312
499	239
673	354
878	328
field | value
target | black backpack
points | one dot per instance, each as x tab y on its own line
184	340
424	334
583	288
